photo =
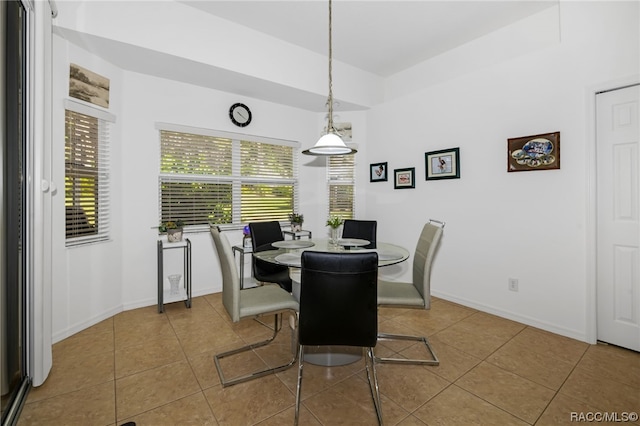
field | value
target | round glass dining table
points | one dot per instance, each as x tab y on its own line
289	253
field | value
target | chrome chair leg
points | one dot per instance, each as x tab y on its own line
373	384
299	387
433	361
230	382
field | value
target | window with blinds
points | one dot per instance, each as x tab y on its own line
86	178
206	179
341	185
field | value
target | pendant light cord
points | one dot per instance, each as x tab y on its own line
330	128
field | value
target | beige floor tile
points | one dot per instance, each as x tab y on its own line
518	357
241	364
250	402
510	392
425	323
141	392
201	315
603	393
317	378
453	362
611	362
455	406
552	345
467	341
564	410
411	421
135	329
409	386
492	371
189	411
98	338
147	355
204	369
286	418
74	372
347	403
209	339
487	325
94	405
136	316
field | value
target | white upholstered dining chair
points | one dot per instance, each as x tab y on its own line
269	299
415	294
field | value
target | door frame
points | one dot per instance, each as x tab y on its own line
591	302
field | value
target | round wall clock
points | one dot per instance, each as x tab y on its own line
240	115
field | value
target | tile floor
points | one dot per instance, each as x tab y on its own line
158	369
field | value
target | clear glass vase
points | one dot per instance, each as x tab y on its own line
334	236
174	281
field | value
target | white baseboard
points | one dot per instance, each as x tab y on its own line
76	328
523	319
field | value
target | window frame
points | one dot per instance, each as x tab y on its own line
336	178
236	179
101	170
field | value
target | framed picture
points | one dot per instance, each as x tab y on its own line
344	129
404	178
443	164
88	86
378	172
537	152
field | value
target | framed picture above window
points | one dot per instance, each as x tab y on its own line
404	178
378	172
537	152
443	164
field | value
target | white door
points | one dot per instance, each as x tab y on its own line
618	233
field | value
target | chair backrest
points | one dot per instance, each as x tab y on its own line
423	258
265	233
338	299
362	229
230	280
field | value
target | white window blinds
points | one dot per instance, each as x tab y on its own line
225	179
341	185
87	198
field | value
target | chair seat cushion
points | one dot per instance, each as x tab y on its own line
398	293
265	299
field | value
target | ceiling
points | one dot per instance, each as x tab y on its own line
380	38
377	36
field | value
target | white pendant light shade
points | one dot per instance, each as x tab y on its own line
329	144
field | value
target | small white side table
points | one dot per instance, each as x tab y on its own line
165	296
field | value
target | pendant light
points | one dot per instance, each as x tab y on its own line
331	143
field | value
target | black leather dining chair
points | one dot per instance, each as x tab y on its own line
361	229
263	234
338	307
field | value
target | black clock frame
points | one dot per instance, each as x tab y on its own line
233	119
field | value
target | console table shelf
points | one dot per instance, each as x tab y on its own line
184	292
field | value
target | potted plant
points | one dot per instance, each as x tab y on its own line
296	220
173	228
334	223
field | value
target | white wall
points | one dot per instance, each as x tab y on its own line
86	281
149	100
527	225
92	283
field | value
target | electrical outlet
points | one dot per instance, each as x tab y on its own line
513	284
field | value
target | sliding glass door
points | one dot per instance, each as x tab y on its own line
13	290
